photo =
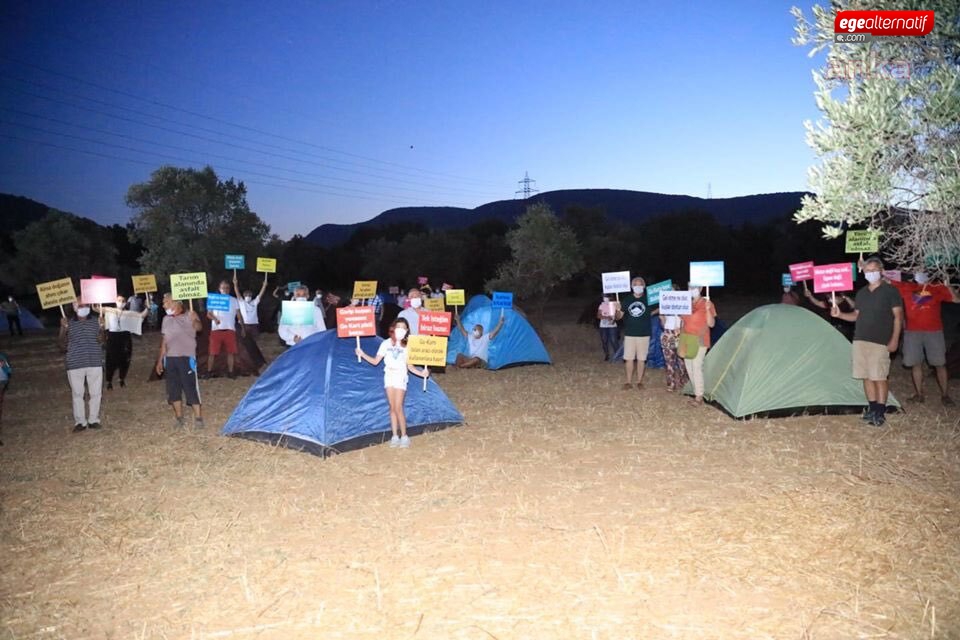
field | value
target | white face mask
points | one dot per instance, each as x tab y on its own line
477	333
921	278
169	312
606	299
786	289
399	333
638	289
83	312
416	302
301	299
872	276
247	298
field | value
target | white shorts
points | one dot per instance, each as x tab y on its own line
395	380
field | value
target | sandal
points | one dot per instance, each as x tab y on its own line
627	386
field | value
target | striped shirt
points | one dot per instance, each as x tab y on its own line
83	347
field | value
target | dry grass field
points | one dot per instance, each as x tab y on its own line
564	508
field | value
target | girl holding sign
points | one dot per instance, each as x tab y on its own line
393	353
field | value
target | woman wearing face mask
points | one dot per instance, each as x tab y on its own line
292	334
669	339
478	344
695	339
81	338
118	323
609	331
393	353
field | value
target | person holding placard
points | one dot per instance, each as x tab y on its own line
845	303
695	339
81	339
393	353
177	361
292	334
609	329
119	341
923	335
478	344
411	315
669	343
636	331
879	318
790	296
223	333
248	308
12	310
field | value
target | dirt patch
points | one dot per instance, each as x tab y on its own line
564	508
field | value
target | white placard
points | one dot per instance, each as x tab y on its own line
676	303
616	282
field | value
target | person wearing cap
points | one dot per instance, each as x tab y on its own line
923	332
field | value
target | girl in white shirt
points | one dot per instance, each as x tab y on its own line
393	353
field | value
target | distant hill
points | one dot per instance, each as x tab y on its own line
619	204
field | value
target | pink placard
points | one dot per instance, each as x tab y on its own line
446	287
98	291
892	274
832	277
422	279
801	271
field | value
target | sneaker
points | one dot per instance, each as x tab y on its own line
394	442
198	423
404	442
876	420
77	428
94	425
178	422
947	401
867	415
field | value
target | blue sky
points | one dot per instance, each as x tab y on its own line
336	111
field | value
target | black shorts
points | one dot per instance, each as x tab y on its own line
181	377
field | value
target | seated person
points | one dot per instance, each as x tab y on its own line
478	344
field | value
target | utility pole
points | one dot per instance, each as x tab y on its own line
709	191
527	190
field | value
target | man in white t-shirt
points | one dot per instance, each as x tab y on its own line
478	344
412	313
223	333
248	308
292	334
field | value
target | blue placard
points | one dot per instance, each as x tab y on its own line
706	274
296	312
653	291
502	300
218	302
234	261
292	286
786	280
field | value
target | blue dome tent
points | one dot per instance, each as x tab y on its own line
28	321
317	398
516	344
654	355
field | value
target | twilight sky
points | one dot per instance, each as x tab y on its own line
336	111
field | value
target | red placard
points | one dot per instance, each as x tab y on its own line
98	291
356	322
435	323
801	271
832	277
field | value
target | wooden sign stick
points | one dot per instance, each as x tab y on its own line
425	378
62	312
708	292
833	297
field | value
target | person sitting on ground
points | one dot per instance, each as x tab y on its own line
478	344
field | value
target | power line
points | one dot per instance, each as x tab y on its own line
239	126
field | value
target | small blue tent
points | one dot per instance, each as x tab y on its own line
28	321
316	397
516	344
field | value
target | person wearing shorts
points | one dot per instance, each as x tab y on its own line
636	331
879	318
393	353
923	335
223	333
177	361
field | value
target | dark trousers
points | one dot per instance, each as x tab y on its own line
14	320
609	340
119	353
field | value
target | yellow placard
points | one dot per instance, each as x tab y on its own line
365	289
144	283
188	286
267	265
433	304
56	293
863	241
456	297
427	350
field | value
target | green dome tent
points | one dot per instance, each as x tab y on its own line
781	358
